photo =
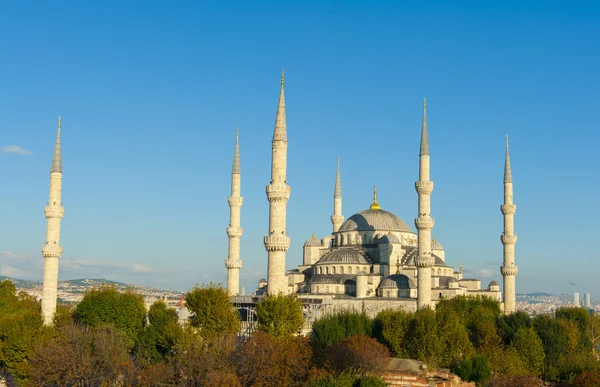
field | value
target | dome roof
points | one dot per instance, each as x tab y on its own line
435	245
343	255
370	220
335	279
313	242
262	281
494	283
397	281
389	238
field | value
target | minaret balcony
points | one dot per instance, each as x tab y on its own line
276	242
424	223
233	263
425	260
235	232
508	209
509	270
508	239
424	187
52	251
235	201
278	192
54	211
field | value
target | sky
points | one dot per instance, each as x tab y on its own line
150	95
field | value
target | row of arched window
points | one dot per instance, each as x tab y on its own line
340	270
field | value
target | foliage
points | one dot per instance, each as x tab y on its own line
515	381
508	325
332	329
266	360
361	353
212	309
280	315
453	338
391	328
370	381
80	355
323	379
558	339
587	379
424	342
530	349
106	305
160	335
474	369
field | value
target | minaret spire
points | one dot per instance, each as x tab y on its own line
52	251
278	193
424	222
509	239
337	218
375	206
234	231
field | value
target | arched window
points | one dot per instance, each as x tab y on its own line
326	270
320	270
333	270
317	289
349	269
357	269
341	239
341	269
439	271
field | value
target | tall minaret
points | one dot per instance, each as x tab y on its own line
52	251
337	218
278	193
424	222
509	239
234	231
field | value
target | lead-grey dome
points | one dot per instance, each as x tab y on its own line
389	238
313	242
343	255
332	279
396	281
435	245
370	220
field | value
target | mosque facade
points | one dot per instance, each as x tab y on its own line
373	260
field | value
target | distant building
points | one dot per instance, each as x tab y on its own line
587	299
576	299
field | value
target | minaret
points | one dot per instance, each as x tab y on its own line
509	239
278	193
424	222
337	218
52	251
234	231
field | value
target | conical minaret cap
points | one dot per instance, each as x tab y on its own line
424	135
338	181
507	169
57	160
237	169
280	133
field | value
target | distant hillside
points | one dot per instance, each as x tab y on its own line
537	294
94	282
23	284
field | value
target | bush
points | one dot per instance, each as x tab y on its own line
212	310
334	328
361	353
475	369
280	315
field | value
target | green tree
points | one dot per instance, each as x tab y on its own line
160	335
559	340
391	328
475	369
280	315
509	324
454	338
106	305
212	310
530	349
332	329
424	342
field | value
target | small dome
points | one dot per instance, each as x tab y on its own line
313	242
494	283
435	245
343	255
371	220
389	238
262	281
452	280
396	281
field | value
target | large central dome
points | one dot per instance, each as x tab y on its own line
374	220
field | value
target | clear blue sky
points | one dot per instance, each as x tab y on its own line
151	92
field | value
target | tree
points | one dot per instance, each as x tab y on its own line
515	381
508	325
80	355
454	338
332	329
474	369
329	379
530	349
423	339
269	361
106	305
280	315
361	353
557	340
212	310
160	335
391	328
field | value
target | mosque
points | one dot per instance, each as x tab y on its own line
372	260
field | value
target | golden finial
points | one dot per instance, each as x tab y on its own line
398	265
313	235
375	206
282	77
424	103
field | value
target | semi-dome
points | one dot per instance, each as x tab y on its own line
332	279
435	245
343	255
396	281
373	219
389	238
313	242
